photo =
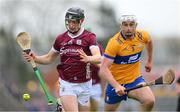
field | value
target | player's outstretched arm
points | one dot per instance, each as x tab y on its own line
106	74
149	48
47	58
44	59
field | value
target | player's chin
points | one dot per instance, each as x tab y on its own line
73	31
129	35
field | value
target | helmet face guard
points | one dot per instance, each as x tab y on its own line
74	14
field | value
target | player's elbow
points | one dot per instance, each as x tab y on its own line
48	59
96	59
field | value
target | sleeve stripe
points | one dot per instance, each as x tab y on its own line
110	57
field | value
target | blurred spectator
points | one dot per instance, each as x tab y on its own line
178	92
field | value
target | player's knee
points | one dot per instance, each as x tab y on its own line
150	102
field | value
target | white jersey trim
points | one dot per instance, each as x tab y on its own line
79	33
54	50
93	46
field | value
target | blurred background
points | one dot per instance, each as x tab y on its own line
44	20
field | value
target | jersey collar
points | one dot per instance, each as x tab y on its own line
124	37
78	34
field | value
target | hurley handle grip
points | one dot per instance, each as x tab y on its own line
32	61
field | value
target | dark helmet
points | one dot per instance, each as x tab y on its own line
74	13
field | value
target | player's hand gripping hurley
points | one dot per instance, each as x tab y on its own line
167	78
24	41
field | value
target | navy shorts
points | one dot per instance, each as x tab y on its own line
111	96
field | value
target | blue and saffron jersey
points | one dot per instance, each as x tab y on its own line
126	54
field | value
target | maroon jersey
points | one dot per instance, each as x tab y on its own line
71	69
95	69
95	76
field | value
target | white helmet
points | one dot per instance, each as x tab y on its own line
128	18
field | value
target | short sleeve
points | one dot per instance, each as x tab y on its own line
146	37
92	39
111	49
56	44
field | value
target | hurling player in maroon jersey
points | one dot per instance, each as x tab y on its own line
74	69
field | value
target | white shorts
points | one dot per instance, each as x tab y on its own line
81	90
96	92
